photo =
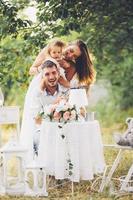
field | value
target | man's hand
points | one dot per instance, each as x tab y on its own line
38	120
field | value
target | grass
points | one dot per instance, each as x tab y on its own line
83	190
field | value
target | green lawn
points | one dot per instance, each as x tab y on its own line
83	190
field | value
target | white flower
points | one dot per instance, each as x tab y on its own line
70	106
62	102
73	115
47	109
59	108
66	106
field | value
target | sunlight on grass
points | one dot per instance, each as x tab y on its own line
83	190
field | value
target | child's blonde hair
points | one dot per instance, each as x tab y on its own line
55	42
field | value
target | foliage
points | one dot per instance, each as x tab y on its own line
106	26
9	20
106	21
15	61
120	75
112	115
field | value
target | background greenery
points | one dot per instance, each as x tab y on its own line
105	26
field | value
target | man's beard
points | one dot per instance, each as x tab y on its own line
52	83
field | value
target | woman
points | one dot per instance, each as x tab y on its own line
84	70
79	71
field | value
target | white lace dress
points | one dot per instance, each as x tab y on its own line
75	82
28	125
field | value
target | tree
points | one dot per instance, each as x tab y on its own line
10	22
107	28
105	25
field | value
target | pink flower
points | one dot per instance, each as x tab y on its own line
66	115
56	116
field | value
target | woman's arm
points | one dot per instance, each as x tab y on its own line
64	82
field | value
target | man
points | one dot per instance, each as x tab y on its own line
51	94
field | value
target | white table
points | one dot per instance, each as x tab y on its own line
82	146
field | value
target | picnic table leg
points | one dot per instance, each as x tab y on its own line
103	181
106	180
72	186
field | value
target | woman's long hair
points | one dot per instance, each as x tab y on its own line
84	67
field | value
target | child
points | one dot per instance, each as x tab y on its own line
52	50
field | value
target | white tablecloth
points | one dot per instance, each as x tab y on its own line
78	143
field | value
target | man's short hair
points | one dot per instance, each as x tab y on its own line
48	64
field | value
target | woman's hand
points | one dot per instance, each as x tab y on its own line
63	63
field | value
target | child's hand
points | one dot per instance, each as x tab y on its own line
33	71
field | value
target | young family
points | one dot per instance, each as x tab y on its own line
58	66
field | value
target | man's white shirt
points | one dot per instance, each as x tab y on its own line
42	98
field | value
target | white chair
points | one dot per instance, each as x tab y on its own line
127	179
10	115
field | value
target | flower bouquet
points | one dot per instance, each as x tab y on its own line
63	112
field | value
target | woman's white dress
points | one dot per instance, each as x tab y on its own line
28	124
